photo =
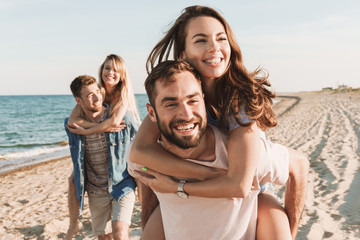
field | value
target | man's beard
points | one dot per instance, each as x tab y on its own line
94	109
184	142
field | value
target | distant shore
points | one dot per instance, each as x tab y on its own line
325	126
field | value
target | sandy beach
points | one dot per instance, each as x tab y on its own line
325	126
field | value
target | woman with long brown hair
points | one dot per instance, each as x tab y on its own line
237	101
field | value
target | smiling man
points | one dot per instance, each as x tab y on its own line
177	106
185	128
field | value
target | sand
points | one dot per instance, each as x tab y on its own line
325	126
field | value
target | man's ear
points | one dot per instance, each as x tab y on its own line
182	56
151	112
77	99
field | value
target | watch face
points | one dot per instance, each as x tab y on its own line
182	195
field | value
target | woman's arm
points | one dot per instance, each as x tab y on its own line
76	118
243	155
147	152
83	127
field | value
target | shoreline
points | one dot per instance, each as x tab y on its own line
29	167
10	165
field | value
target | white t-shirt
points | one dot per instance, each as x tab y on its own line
221	218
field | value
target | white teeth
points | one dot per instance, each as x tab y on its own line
213	60
186	127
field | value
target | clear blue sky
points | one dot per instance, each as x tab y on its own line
305	45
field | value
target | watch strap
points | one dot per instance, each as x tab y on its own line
181	186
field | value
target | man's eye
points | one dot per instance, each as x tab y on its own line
170	105
200	40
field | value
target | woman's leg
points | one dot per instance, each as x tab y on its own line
151	220
272	221
153	229
73	205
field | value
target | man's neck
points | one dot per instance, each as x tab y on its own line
204	151
93	116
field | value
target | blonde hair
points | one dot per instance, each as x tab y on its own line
123	93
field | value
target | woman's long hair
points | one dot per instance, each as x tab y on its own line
123	93
237	90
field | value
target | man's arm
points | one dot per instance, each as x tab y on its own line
295	190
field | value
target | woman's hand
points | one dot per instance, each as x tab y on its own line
74	128
116	128
156	181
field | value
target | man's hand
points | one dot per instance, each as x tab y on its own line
156	181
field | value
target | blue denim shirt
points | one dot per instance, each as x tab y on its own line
119	180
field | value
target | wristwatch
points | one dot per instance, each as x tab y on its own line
180	190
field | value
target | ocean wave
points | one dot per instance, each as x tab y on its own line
13	161
61	143
33	152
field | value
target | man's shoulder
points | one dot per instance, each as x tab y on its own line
220	135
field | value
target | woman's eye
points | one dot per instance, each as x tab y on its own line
193	101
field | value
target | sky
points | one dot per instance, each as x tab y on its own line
304	45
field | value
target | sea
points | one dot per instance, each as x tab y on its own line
32	128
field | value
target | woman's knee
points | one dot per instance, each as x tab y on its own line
272	222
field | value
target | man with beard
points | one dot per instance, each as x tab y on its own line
177	106
99	165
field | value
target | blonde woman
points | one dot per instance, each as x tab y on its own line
115	85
